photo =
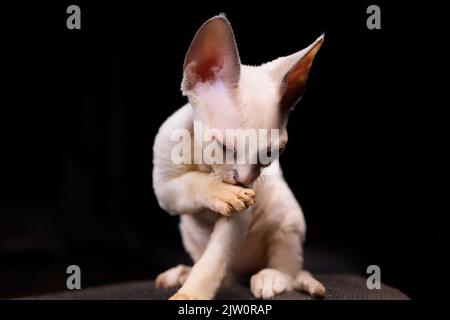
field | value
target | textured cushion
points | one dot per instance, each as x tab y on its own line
339	287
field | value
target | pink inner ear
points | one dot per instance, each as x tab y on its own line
209	67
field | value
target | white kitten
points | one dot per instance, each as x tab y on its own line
234	223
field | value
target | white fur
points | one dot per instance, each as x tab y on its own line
218	106
229	230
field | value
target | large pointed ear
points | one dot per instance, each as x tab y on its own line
212	55
292	72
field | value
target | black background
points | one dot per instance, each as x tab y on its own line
80	110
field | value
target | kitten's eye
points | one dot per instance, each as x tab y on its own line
226	149
221	145
265	165
282	148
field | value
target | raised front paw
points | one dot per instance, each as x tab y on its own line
227	199
268	283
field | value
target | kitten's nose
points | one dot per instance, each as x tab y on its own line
230	177
247	177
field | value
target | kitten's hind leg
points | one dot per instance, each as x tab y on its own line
304	281
174	277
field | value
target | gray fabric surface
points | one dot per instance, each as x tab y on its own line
339	287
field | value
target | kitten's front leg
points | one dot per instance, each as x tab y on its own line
284	271
194	191
284	244
207	274
284	261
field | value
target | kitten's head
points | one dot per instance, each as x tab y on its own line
228	95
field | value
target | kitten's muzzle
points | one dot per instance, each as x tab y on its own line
242	176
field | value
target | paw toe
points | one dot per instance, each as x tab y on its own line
268	283
318	291
182	296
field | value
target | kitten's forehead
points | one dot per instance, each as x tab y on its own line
258	98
